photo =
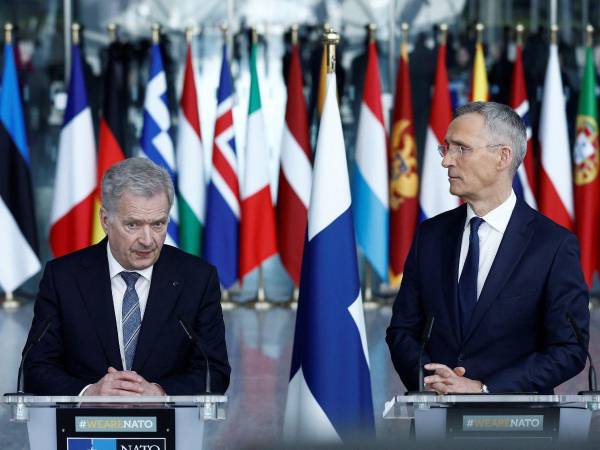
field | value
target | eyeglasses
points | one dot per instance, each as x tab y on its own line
458	149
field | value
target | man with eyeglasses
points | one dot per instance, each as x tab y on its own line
498	277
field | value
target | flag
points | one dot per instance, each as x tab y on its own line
556	185
435	196
329	394
190	164
586	157
370	176
258	234
76	175
524	180
295	174
18	239
404	173
111	137
479	82
221	232
156	141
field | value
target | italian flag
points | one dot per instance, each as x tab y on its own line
257	232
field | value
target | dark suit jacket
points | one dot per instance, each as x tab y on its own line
518	339
81	343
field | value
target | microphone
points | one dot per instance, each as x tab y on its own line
33	343
425	335
592	371
192	336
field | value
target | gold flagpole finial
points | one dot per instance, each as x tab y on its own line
189	34
479	28
155	33
371	29
330	40
111	29
554	34
8	33
443	33
75	29
520	29
254	34
294	30
589	35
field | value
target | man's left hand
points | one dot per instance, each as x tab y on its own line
151	389
446	380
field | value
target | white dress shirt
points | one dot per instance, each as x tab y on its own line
490	235
118	288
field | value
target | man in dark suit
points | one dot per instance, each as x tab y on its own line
113	308
498	277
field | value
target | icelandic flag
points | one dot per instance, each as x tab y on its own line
156	141
524	180
370	177
75	182
434	196
221	232
18	239
329	394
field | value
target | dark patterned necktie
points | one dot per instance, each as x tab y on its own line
131	318
467	284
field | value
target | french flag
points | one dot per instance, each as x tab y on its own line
329	394
73	203
435	197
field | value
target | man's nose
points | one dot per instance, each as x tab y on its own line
448	160
145	235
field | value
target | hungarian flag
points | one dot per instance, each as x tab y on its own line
524	180
556	183
111	137
258	233
76	173
404	173
190	164
18	239
370	176
435	196
295	173
587	162
479	81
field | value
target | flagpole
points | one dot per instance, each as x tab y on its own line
296	291
10	301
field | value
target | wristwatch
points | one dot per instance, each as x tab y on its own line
484	389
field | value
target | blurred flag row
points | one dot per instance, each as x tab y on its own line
231	219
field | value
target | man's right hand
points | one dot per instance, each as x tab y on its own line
117	383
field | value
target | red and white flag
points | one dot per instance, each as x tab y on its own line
556	179
295	174
73	203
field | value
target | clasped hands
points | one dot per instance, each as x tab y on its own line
124	382
446	380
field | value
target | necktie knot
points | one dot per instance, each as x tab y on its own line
475	223
130	278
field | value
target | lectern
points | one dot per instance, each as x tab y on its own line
115	423
482	416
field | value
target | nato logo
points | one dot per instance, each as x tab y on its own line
116	444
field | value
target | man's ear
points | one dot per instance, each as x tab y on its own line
506	157
104	219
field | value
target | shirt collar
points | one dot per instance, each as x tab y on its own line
114	268
498	217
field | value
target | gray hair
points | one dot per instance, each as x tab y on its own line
503	125
138	176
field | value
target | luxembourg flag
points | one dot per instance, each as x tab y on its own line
370	177
556	179
329	394
73	203
524	180
156	141
435	196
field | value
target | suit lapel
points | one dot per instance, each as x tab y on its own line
165	288
514	243
451	253
95	290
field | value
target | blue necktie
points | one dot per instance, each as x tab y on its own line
467	284
131	319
